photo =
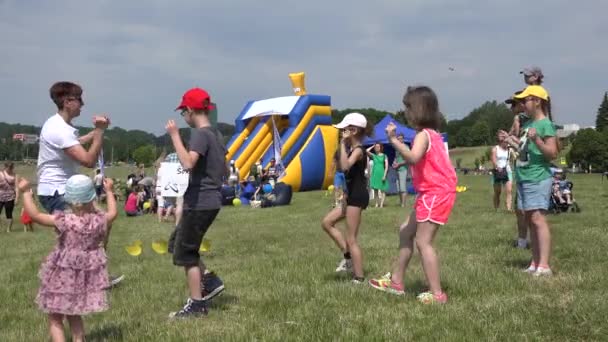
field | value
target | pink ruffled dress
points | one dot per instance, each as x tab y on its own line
73	277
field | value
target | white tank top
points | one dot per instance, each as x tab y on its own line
502	158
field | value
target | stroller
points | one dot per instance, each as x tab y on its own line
562	188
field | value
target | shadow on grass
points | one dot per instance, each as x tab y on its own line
518	263
223	302
110	332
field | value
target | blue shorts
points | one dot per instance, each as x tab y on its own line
52	203
534	195
340	180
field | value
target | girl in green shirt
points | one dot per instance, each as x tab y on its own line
537	146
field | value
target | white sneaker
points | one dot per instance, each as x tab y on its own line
543	272
345	265
531	269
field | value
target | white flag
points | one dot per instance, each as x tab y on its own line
278	147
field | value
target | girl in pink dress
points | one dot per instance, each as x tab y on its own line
434	179
73	277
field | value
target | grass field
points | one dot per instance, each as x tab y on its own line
278	267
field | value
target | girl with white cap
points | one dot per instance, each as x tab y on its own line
352	161
73	278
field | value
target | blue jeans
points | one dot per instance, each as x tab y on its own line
534	195
53	203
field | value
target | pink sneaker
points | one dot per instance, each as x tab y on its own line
385	284
430	298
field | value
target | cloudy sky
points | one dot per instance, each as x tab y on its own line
135	58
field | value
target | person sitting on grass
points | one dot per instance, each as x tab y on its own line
132	204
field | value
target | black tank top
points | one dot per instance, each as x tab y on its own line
355	176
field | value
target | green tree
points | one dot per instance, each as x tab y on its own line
145	155
496	115
480	133
601	121
462	137
488	153
590	147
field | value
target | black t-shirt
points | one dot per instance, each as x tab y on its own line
203	192
356	183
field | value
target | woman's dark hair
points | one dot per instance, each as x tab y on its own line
61	91
9	166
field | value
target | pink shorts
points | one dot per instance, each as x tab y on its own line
434	208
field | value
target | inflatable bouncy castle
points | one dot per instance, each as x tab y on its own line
295	131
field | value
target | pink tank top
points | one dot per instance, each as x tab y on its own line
131	204
434	173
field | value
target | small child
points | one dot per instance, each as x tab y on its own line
434	179
73	278
26	220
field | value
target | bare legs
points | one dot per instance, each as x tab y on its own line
424	235
347	242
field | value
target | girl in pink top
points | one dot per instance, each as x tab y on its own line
434	179
132	204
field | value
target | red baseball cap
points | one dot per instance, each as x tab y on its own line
196	98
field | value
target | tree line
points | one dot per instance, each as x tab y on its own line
478	128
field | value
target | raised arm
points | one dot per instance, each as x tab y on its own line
112	212
30	206
346	162
89	158
85	139
187	158
369	151
420	145
546	145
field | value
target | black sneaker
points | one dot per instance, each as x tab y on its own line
211	286
193	308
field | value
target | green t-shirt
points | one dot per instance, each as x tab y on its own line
531	165
399	159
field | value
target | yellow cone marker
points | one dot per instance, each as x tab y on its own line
134	250
205	246
160	246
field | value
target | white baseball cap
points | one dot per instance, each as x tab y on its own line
352	119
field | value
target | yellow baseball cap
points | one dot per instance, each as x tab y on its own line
533	90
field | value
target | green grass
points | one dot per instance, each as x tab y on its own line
467	155
278	267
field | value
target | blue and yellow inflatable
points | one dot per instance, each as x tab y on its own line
304	125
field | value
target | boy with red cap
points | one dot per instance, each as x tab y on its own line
202	199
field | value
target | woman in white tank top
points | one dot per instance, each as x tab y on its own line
502	177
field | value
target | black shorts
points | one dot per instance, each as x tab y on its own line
358	199
8	207
186	239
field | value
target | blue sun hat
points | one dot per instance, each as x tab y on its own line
79	190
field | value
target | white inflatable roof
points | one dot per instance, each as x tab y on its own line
278	105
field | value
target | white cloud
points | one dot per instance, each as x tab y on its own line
135	58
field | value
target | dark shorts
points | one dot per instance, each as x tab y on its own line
98	190
53	203
186	239
358	199
8	207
